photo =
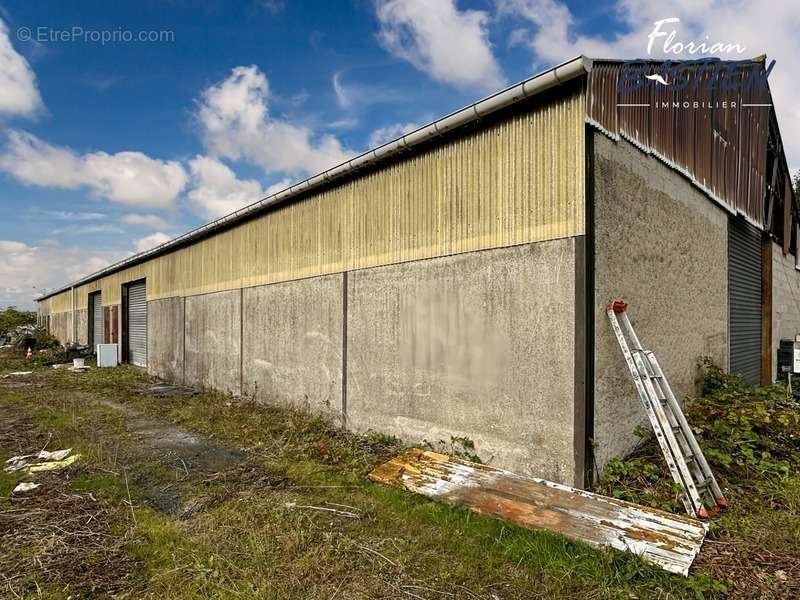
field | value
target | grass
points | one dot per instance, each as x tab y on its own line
751	438
239	530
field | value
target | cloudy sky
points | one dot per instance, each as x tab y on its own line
111	146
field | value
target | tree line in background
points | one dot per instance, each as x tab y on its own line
12	317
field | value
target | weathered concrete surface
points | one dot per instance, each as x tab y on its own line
478	345
165	338
213	334
785	301
661	245
292	345
82	325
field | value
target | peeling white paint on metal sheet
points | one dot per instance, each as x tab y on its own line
670	541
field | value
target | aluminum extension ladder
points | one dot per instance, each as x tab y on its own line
684	457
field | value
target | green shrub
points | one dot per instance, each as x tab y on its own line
745	430
749	435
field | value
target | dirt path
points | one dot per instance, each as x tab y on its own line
192	457
67	532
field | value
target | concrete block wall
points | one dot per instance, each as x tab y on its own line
661	245
785	301
480	345
165	338
477	345
292	343
213	335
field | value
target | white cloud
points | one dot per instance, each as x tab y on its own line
134	178
149	221
216	191
151	241
66	215
235	123
18	92
86	230
7	246
126	177
390	132
342	95
555	37
26	272
273	7
450	45
353	95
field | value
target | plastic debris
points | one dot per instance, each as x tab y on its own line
41	461
72	367
53	465
26	486
17	374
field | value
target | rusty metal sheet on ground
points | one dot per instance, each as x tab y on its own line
670	541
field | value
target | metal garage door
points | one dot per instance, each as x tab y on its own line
97	320
137	324
744	293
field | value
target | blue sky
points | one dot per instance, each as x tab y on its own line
109	148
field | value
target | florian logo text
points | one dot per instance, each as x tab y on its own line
678	48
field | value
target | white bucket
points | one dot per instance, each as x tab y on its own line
78	363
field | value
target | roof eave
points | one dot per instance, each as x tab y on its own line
519	92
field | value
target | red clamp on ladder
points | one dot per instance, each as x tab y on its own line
617	305
685	459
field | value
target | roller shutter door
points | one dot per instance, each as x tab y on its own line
97	321
137	324
744	293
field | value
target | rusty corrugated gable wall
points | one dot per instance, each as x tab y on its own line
723	150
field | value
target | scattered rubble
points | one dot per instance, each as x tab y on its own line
167	390
55	465
16	374
41	461
27	486
22	334
72	367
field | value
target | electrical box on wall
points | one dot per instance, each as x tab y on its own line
789	356
796	356
106	355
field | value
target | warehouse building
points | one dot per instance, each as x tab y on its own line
453	282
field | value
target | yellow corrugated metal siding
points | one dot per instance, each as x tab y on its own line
515	181
61	302
59	309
